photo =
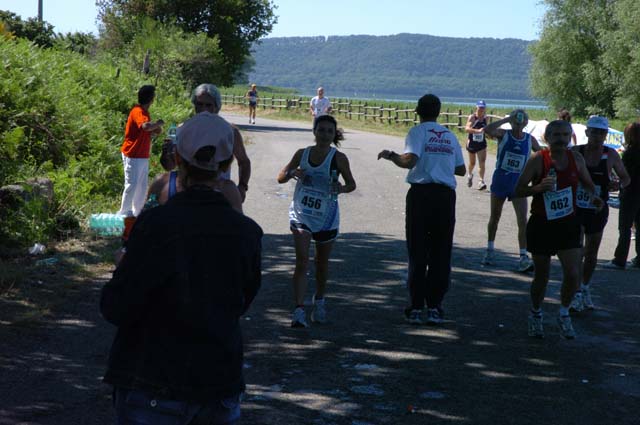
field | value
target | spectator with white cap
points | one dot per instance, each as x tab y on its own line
191	269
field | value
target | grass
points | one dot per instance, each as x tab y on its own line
31	289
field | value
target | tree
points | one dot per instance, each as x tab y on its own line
235	23
41	33
586	56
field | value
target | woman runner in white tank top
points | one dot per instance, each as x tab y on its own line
314	212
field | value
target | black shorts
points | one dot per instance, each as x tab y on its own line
547	237
592	221
474	147
320	237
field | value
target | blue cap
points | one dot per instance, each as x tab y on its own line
481	104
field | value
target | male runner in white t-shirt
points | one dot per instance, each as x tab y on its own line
319	104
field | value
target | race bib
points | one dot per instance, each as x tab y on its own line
314	203
513	162
478	137
558	204
584	199
252	98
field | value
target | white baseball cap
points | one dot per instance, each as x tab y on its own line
202	130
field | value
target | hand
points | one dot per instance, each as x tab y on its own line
614	185
296	173
385	154
598	203
336	187
547	184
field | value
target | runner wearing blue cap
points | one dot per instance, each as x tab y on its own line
477	143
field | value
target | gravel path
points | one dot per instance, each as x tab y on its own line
367	366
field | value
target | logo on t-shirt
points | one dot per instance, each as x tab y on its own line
438	133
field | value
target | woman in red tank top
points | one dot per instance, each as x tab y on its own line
551	177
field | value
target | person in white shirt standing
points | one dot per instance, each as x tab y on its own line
319	105
434	157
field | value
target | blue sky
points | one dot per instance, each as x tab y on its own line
487	18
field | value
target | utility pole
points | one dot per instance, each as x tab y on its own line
39	10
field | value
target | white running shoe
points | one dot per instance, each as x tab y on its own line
319	312
587	302
577	303
525	264
489	258
469	180
482	185
253	122
299	318
566	328
535	326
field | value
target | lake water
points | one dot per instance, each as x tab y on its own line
462	101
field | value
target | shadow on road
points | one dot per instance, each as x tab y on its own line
367	366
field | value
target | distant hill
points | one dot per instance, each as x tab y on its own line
397	65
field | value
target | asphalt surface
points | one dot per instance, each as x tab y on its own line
367	366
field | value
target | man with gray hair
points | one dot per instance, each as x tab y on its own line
206	97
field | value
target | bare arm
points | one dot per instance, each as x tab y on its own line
469	127
535	146
291	170
618	167
244	163
530	173
232	194
406	160
494	131
151	127
345	170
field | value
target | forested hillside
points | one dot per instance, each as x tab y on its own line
400	65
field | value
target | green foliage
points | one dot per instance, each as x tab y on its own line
398	65
83	43
29	223
587	57
62	116
41	33
235	24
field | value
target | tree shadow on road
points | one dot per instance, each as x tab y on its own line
368	367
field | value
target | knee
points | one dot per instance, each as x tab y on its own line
302	261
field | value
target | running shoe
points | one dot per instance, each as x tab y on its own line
253	122
577	303
587	302
525	264
319	313
469	180
299	318
413	317
612	266
535	326
434	317
489	258
482	185
566	328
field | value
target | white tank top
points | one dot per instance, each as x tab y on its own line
312	204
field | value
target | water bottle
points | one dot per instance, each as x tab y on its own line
172	133
334	187
552	173
105	224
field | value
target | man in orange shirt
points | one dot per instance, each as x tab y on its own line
135	152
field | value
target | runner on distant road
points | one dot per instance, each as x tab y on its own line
252	96
319	105
477	143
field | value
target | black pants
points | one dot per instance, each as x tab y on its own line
629	214
430	221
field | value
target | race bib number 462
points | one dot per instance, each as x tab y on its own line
558	204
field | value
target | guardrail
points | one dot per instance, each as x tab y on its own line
357	110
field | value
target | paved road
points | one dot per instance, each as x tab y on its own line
367	366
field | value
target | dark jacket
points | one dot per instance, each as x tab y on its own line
192	268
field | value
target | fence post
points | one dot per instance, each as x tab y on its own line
459	118
349	108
